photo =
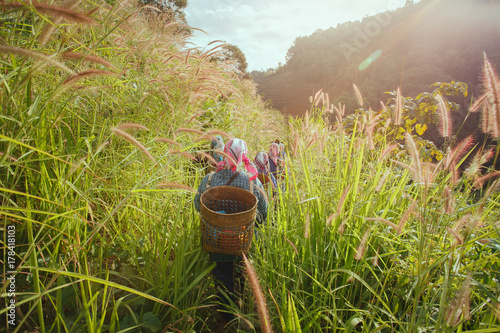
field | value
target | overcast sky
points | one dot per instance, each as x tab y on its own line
265	29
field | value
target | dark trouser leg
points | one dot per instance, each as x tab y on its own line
239	277
223	272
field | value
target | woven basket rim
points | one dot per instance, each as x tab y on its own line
231	188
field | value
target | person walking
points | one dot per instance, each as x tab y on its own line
282	153
217	145
273	159
262	164
235	162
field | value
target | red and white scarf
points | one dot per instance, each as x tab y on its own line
237	149
274	152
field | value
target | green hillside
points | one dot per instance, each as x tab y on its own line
411	48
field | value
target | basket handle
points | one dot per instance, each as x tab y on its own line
232	178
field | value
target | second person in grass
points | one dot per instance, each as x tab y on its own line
262	163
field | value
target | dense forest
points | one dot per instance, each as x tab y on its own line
411	48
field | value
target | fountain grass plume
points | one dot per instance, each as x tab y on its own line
491	113
412	149
474	167
385	221
429	172
489	102
72	55
134	141
405	217
458	239
341	228
462	222
207	124
449	206
318	97
195	115
479	182
478	103
398	112
339	205
446	125
361	249
460	305
126	126
387	150
170	141
358	95
383	106
293	245
54	11
204	155
307	226
183	153
406	166
49	29
454	155
382	181
369	136
84	74
190	130
339	114
5	49
211	133
258	295
170	185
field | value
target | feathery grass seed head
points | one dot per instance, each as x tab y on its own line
460	305
84	74
54	11
175	185
72	55
398	113
170	141
491	106
358	95
5	49
134	141
405	217
258	295
446	125
361	249
131	125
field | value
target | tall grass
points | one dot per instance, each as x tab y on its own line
386	246
92	96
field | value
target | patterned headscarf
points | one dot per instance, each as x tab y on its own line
217	144
273	152
237	149
262	162
282	153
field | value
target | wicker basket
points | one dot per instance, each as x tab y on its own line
227	219
266	180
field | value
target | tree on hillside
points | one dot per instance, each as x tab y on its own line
175	7
234	53
166	4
